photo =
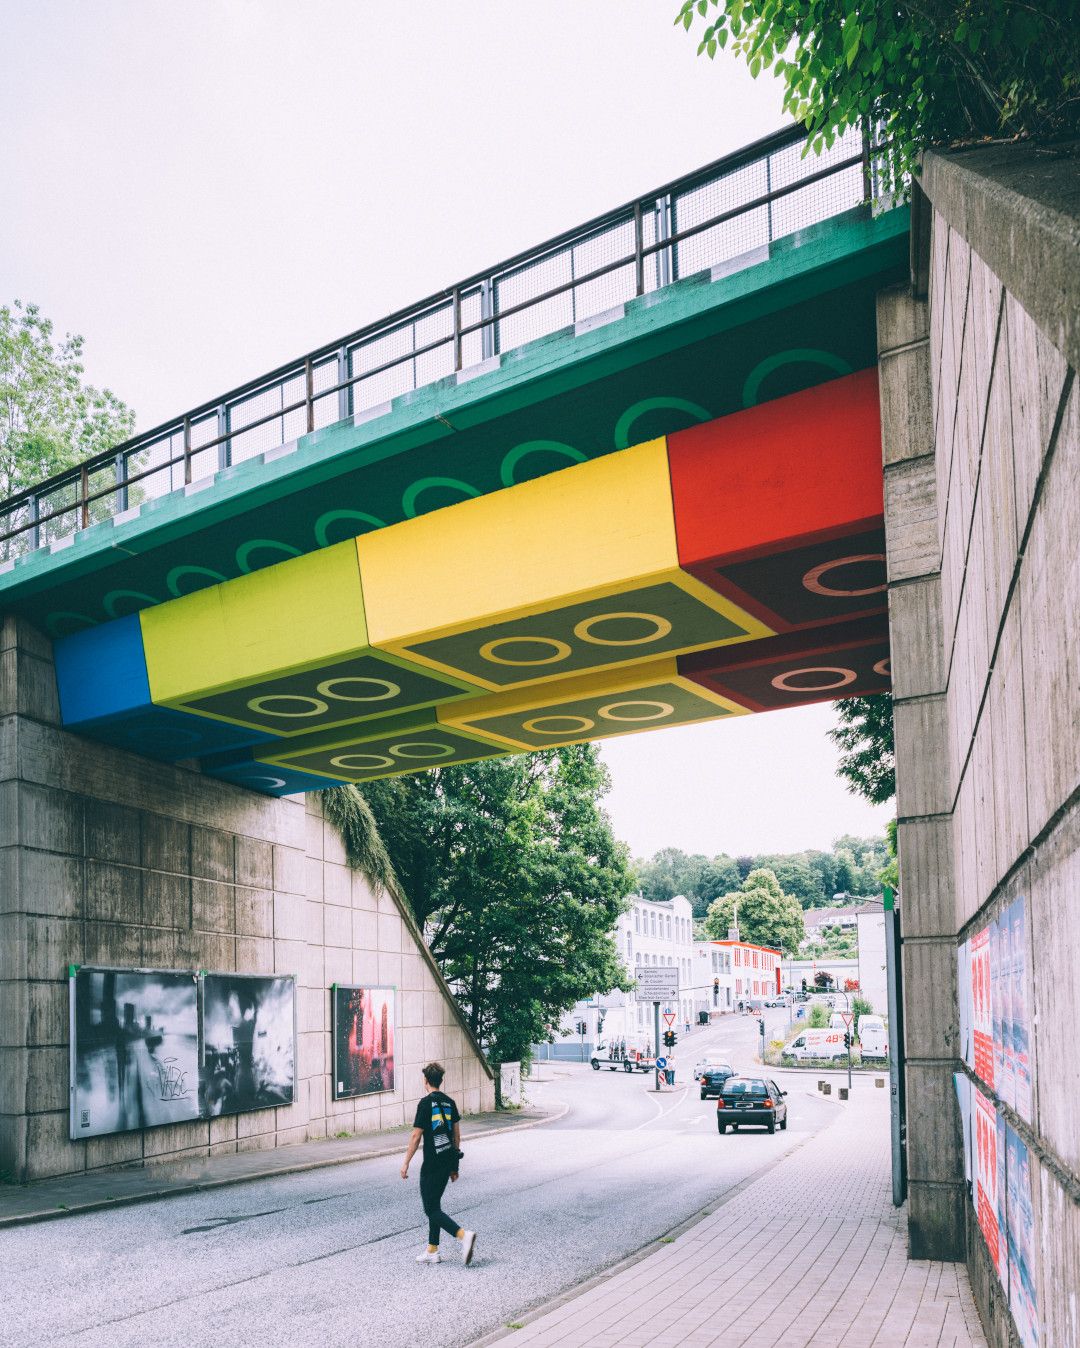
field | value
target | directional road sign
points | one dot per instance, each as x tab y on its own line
656	983
661	1063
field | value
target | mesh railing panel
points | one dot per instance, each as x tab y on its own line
380	364
731	238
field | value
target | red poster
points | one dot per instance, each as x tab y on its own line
986	1175
983	1006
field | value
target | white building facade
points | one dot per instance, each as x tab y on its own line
730	973
648	933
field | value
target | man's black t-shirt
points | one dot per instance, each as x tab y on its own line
436	1115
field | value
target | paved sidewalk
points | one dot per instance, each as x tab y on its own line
44	1200
813	1253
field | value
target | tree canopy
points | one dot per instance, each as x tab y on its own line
865	738
50	419
766	915
853	866
925	72
511	868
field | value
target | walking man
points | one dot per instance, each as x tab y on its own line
437	1126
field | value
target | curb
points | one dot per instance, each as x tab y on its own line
202	1185
536	1312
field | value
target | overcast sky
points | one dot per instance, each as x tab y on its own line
205	190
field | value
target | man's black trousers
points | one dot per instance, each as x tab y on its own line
433	1182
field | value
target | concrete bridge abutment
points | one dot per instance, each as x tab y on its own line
107	858
981	444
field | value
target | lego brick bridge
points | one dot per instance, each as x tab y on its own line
628	480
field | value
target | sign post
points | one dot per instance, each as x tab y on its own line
848	1019
657	983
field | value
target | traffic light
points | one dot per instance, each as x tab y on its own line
804	985
581	1028
761	1027
847	1040
716	982
670	1039
599	1024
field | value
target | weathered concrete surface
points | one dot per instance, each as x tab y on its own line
989	779
1018	206
108	858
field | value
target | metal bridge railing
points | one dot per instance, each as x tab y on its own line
719	214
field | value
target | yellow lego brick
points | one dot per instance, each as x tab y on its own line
574	571
621	701
283	651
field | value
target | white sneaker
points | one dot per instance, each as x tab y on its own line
429	1257
468	1244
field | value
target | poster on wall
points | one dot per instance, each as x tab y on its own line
982	1011
363	1035
1023	1299
986	1175
249	1042
1019	1046
1000	1003
963	996
134	1050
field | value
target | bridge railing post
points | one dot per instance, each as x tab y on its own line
309	394
457	327
84	492
639	251
187	450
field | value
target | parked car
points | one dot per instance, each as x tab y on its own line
713	1076
753	1100
775	1001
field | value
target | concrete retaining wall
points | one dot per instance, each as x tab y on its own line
106	858
981	425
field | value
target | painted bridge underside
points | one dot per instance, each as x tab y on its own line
670	515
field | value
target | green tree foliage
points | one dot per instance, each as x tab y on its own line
811	876
865	739
49	418
350	813
889	874
511	868
818	1019
766	915
927	72
698	877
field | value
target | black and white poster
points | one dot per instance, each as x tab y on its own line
134	1050
249	1042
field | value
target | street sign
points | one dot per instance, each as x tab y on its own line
847	1017
656	983
669	1018
661	1063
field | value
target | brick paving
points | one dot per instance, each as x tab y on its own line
813	1253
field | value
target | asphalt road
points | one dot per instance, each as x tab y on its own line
327	1257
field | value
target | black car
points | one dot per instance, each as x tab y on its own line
713	1076
754	1100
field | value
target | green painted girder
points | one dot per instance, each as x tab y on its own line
693	351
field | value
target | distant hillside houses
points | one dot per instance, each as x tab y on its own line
818	921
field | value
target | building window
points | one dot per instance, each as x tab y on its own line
637	920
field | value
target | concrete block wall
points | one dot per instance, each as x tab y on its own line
985	622
106	858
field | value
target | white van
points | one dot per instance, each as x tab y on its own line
816	1044
873	1039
